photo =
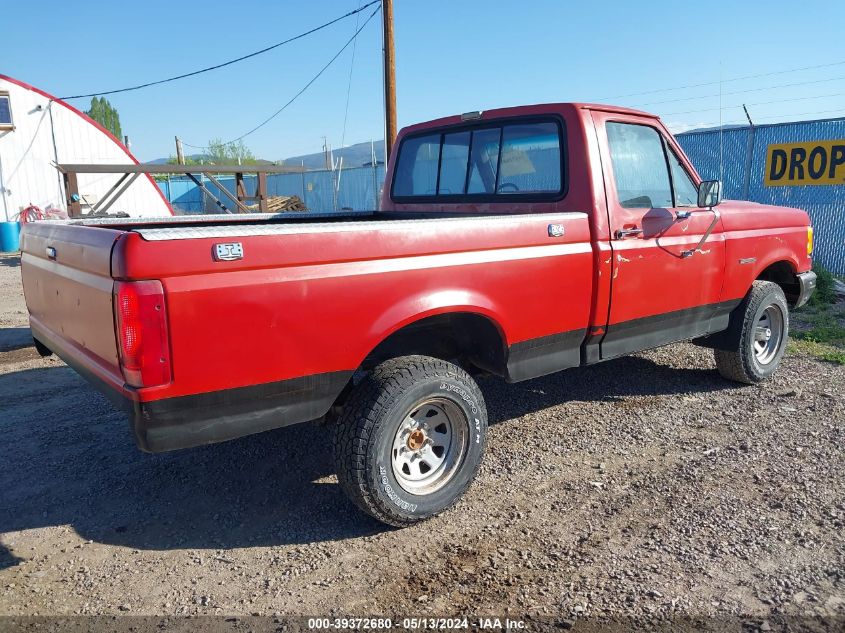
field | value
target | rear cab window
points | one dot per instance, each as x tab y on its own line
490	161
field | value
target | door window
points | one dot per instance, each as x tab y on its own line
686	193
639	166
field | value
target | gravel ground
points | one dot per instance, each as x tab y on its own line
645	485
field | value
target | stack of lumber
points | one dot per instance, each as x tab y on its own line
278	204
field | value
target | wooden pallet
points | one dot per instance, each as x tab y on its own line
278	204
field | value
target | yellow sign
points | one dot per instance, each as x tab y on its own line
810	163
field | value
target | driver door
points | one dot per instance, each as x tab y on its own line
659	293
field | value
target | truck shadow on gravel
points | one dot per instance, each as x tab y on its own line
612	381
69	460
14	338
10	259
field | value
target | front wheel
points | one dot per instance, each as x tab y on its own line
761	332
410	439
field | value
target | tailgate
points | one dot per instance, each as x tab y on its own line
66	272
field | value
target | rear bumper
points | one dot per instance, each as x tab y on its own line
806	287
173	423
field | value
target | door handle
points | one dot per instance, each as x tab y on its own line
623	233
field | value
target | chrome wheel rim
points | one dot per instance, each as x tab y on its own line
768	334
429	446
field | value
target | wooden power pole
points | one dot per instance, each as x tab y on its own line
389	78
180	155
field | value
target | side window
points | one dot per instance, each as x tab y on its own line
530	160
639	166
6	122
416	170
453	163
686	193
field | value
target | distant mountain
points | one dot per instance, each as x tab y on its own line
353	156
163	161
199	157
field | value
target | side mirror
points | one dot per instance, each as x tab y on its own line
709	193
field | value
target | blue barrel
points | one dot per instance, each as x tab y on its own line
9	236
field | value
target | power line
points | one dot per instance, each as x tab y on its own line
786	116
228	63
349	89
714	83
737	92
304	88
733	107
716	124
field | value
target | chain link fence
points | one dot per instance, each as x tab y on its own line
737	156
324	191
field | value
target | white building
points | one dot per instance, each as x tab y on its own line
36	132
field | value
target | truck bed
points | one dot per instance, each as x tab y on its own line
273	337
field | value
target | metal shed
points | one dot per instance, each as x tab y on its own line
37	131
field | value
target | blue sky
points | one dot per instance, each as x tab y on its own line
452	56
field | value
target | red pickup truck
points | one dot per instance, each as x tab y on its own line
516	242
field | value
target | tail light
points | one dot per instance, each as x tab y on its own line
142	337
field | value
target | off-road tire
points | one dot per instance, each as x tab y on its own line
740	363
366	431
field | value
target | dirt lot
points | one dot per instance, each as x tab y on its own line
642	485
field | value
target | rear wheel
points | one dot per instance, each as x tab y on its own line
762	330
410	439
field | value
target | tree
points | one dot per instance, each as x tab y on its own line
220	153
106	115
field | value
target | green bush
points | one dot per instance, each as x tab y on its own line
825	293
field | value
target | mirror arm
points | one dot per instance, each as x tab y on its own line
716	216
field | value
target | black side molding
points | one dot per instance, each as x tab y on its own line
183	422
653	331
545	355
548	354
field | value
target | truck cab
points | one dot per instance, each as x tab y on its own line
667	265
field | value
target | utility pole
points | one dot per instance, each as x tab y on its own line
389	77
180	155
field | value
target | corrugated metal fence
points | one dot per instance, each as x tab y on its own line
358	190
743	156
